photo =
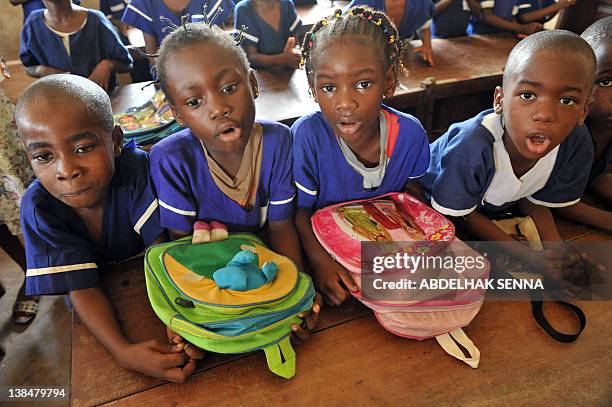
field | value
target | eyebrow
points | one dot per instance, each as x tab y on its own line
222	72
539	85
360	72
72	139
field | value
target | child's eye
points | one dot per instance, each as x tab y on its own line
567	101
84	149
527	96
363	84
604	83
193	102
328	88
229	89
42	157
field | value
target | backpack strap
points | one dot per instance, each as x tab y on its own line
281	358
449	341
538	314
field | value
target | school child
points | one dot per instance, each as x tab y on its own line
504	16
355	147
544	10
145	15
452	17
91	205
408	16
67	38
599	122
31	5
530	153
270	31
225	165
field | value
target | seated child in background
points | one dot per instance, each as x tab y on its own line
31	5
452	17
67	38
224	166
503	16
531	149
145	15
408	16
113	10
599	122
355	147
271	28
92	204
544	10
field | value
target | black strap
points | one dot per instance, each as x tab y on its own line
538	315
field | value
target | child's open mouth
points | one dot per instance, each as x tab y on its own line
538	144
229	134
349	127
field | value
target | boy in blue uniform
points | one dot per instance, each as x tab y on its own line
92	204
271	28
452	17
544	10
68	38
531	150
504	16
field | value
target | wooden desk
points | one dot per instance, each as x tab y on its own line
351	359
459	86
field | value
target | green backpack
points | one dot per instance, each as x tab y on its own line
187	299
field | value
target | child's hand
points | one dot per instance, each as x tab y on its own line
180	344
311	318
426	53
332	280
293	57
531	28
566	3
160	360
102	74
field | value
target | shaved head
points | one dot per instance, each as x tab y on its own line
559	41
64	88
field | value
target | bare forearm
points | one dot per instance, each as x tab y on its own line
415	189
543	219
284	239
18	2
313	249
151	48
587	214
121	67
602	187
539	14
499	22
257	59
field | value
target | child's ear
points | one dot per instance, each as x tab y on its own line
390	83
117	140
498	97
254	84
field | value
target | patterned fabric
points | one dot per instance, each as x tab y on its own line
15	169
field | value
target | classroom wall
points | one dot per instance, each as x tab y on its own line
11	19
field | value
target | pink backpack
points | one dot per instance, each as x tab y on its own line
406	225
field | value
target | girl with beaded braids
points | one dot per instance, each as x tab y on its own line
355	147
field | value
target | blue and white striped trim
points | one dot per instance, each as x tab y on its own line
117	7
304	189
143	15
60	269
176	210
285	201
417	176
295	23
248	36
145	216
451	212
552	204
427	24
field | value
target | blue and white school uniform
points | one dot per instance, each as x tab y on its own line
113	8
535	5
604	165
61	256
77	52
506	9
470	170
145	14
418	14
323	175
452	21
259	33
187	191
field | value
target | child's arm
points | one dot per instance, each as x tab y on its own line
18	2
543	12
426	50
602	187
330	277
498	22
101	74
442	5
289	57
415	189
154	358
587	214
284	239
151	47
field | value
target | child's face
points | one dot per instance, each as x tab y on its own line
213	96
601	109
545	97
349	83
70	154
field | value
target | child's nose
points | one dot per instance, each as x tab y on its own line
67	170
545	112
218	108
346	101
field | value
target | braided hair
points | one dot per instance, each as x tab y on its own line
358	21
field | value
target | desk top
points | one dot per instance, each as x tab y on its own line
366	363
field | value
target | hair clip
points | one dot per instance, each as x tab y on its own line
240	34
214	17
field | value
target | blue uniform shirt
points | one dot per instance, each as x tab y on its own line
506	9
324	177
61	256
113	8
97	40
470	170
417	13
33	5
260	34
452	21
187	192
145	14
